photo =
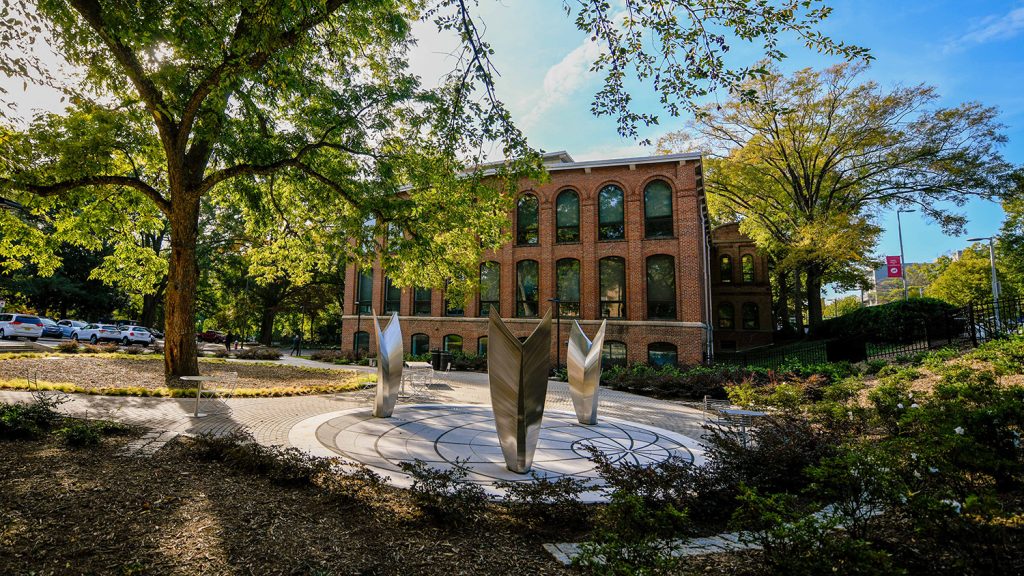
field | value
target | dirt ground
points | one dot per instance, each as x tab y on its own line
93	511
148	372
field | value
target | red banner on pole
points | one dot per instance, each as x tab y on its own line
895	266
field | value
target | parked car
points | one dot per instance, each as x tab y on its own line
97	332
136	335
50	329
214	336
156	333
20	325
68	327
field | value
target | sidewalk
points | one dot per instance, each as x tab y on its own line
270	419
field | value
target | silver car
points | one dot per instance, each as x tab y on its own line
136	335
68	327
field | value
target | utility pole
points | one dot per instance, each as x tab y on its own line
903	261
995	278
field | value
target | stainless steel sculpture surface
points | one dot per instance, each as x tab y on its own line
389	366
583	361
518	375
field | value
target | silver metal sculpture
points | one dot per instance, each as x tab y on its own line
583	361
518	375
389	366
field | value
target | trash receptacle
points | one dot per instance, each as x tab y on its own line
435	359
446	360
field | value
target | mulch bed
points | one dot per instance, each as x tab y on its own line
65	511
148	372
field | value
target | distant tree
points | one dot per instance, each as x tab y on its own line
1010	247
968	279
813	158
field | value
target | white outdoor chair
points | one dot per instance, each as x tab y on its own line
222	388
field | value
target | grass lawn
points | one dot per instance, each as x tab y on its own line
143	375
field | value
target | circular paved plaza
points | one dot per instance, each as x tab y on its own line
442	435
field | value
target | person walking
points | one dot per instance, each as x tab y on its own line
296	344
228	340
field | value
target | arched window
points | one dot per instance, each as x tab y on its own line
421	302
613	353
420	344
527	282
527	221
567	286
751	316
726	316
612	272
392	297
658	210
361	342
662	354
567	217
611	213
661	287
481	346
364	292
490	288
747	268
453	343
725	269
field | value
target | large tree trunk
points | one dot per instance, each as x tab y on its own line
814	312
150	304
180	350
782	304
267	325
798	303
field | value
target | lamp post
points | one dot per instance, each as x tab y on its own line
995	278
903	261
558	333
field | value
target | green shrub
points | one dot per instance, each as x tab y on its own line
32	420
1007	354
633	537
80	433
334	356
873	366
134	349
471	362
100	348
797	542
901	321
445	495
67	347
261	353
286	466
544	501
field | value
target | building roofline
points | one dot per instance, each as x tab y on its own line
624	161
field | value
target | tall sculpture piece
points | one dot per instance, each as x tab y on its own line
584	363
389	366
518	374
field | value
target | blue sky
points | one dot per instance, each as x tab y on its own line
968	50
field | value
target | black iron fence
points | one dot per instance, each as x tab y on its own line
966	327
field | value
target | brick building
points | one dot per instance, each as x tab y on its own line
741	296
623	239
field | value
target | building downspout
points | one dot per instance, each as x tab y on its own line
709	344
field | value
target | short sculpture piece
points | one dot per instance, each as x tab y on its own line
583	361
389	366
518	374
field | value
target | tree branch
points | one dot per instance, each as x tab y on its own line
61	187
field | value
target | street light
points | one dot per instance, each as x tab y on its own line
558	334
903	261
995	279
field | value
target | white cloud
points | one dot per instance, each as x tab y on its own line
562	81
991	29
